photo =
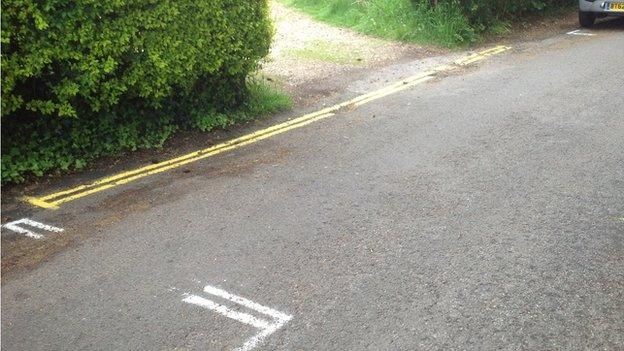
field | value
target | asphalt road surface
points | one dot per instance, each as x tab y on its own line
483	210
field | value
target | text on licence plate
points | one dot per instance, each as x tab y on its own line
616	6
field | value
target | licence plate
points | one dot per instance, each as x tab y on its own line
616	6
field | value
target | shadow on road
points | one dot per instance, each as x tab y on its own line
609	23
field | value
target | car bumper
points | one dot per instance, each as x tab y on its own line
598	6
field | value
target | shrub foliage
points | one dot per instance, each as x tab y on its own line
485	13
83	78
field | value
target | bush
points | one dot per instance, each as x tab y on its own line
485	14
68	59
49	144
85	77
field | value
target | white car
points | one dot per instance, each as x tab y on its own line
589	10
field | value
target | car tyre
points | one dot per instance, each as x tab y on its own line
586	19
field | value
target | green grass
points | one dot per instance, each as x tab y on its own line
452	23
404	20
320	50
264	99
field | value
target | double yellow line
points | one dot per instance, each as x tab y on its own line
53	201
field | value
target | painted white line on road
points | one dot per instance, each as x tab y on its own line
239	316
266	327
578	32
256	339
17	226
244	302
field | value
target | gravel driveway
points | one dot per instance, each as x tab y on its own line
305	51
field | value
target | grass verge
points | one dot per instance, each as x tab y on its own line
452	23
404	20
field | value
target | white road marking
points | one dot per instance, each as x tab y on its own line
15	226
244	302
278	319
239	316
578	32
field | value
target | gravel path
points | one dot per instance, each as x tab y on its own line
306	51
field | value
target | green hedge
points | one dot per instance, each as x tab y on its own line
85	77
485	13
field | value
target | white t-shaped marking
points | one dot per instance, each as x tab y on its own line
15	226
266	327
578	32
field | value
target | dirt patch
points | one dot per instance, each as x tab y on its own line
20	253
538	28
24	253
308	58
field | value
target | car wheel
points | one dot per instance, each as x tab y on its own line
586	19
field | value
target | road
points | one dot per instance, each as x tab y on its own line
481	210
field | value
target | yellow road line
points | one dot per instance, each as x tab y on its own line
53	200
481	55
395	90
185	161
